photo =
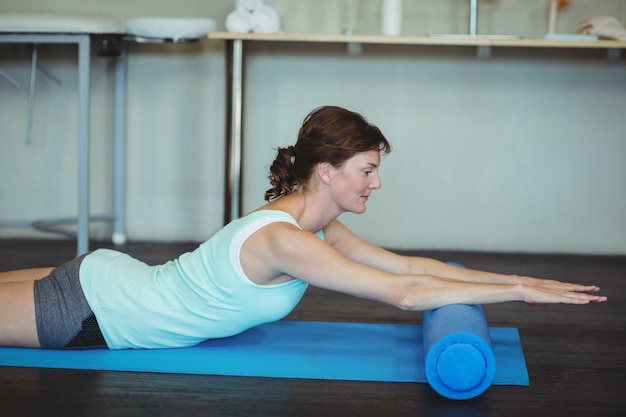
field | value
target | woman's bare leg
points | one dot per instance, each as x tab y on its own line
17	307
17	314
24	275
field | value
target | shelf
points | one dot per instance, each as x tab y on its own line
477	40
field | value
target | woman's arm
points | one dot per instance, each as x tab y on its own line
299	254
360	251
344	241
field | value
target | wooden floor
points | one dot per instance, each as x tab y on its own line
576	356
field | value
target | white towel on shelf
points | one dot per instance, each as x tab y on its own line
239	21
604	26
265	20
260	19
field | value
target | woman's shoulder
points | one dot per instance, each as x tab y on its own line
267	216
239	230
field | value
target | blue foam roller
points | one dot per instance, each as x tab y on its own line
459	361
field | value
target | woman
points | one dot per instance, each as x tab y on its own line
255	269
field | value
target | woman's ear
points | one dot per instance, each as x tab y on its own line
324	171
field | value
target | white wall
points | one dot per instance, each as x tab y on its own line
523	151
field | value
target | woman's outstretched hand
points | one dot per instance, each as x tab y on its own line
541	291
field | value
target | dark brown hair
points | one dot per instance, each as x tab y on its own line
328	134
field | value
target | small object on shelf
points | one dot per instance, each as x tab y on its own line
603	26
349	16
553	11
473	28
391	17
570	37
253	16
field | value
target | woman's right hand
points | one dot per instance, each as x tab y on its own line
539	291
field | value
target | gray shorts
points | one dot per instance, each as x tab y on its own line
63	316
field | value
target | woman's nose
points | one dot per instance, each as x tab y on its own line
376	184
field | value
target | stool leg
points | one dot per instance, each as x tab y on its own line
10	79
119	151
84	48
31	95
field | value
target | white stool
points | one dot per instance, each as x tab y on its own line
52	28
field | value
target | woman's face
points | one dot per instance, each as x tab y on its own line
354	181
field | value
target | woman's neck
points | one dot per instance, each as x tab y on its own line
309	209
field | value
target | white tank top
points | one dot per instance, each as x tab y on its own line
202	295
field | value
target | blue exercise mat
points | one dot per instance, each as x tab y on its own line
287	349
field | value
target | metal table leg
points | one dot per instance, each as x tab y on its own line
234	129
119	150
84	51
83	41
